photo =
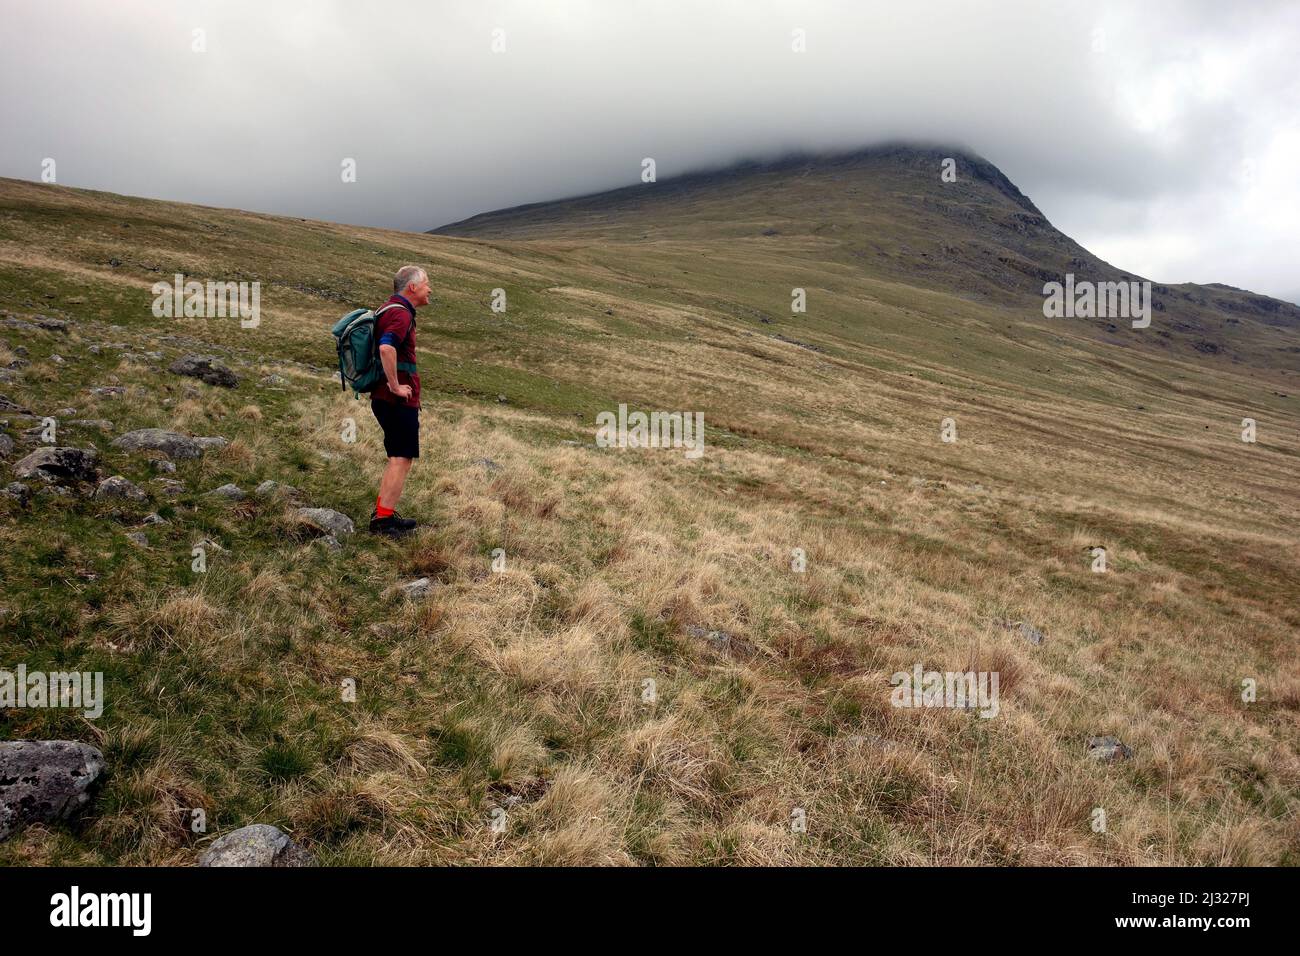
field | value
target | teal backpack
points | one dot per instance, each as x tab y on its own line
358	347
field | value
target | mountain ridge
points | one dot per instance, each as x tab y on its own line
883	210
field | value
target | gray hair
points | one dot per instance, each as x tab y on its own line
405	276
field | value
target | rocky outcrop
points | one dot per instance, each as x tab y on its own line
258	845
119	487
326	521
56	464
43	781
206	368
171	444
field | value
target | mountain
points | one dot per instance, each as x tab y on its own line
884	213
632	655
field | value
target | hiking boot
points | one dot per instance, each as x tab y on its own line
393	525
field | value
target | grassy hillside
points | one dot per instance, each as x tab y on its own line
524	689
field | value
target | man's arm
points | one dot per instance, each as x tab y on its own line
388	358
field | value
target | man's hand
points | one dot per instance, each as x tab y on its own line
388	358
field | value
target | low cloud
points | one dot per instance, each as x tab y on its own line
1162	136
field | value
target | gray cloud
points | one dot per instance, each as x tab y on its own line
1162	135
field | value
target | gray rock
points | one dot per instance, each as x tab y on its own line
229	492
65	412
1030	633
274	489
170	487
107	391
171	444
872	741
326	521
138	538
56	359
1108	749
59	464
17	491
163	466
119	487
103	424
6	405
50	325
718	640
417	590
274	381
6	445
155	518
207	368
487	464
54	491
256	845
43	781
212	442
329	543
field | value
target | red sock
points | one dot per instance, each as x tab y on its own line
381	511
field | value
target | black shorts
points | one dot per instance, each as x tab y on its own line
401	425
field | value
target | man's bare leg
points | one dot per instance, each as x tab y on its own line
393	481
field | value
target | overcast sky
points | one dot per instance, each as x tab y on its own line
1164	136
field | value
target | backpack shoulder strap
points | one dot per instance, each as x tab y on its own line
396	305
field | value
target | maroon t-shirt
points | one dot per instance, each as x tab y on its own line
396	327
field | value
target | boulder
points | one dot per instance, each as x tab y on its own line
229	492
17	491
206	368
718	640
274	489
1108	749
326	521
258	845
55	463
1030	633
119	487
416	590
171	444
43	781
170	487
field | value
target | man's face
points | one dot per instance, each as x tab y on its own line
417	293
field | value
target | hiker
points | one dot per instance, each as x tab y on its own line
396	399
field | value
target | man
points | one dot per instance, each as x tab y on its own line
396	400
